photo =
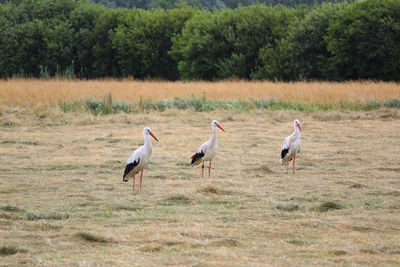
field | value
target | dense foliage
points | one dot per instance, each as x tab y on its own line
331	41
203	4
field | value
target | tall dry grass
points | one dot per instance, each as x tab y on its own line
26	91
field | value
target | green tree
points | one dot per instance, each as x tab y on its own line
143	40
226	43
8	41
82	20
105	62
35	37
364	39
305	53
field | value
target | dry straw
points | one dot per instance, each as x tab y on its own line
27	91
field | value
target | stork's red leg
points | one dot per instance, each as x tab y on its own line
209	169
141	175
134	183
202	170
287	166
294	159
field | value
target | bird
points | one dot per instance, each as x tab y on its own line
291	146
140	158
208	150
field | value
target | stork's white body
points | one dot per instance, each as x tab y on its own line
140	158
208	150
291	145
142	154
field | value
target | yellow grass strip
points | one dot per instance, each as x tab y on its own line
26	91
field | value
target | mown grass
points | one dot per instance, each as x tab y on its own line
65	202
202	104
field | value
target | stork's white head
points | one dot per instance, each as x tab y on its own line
296	124
147	131
215	123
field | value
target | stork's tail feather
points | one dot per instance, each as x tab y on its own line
129	167
196	158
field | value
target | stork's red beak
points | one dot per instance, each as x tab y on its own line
152	135
298	125
219	126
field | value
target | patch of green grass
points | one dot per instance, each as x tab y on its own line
289	206
108	213
297	242
106	106
9	216
49	227
9	142
10	250
223	203
337	253
261	169
67	167
12	208
392	103
94	238
151	249
29	143
175	200
393	193
329	205
226	243
373	202
129	208
184	164
391	250
9	191
9	124
368	251
52	216
212	190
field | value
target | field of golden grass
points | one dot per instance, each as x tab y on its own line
25	91
63	202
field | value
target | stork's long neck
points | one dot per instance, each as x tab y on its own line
296	131
213	139
147	143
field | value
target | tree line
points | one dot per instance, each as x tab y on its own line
203	4
330	41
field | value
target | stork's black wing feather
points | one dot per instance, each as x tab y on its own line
130	167
197	156
284	152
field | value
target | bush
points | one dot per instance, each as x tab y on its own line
392	103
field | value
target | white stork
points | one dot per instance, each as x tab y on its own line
208	150
140	158
291	146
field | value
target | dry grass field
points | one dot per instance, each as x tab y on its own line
63	201
22	91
